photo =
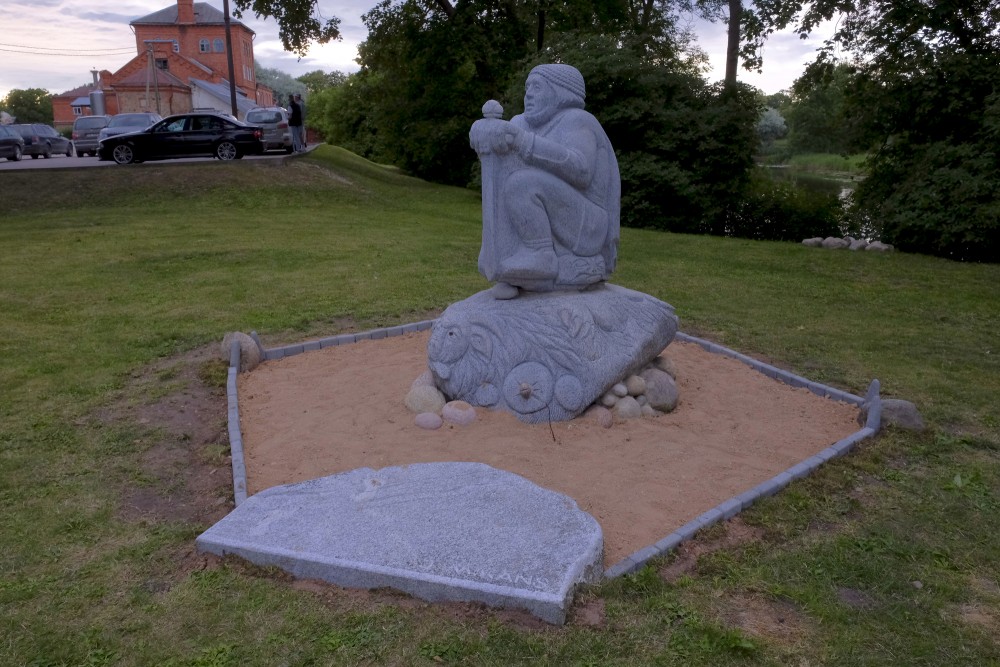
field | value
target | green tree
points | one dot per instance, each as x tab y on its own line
299	21
318	80
816	114
925	79
282	83
31	105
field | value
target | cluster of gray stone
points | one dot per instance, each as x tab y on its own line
848	242
649	393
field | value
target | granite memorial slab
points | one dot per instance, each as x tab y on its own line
438	531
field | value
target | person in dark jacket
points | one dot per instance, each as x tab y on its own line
295	124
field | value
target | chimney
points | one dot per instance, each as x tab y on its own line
185	11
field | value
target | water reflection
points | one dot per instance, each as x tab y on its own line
829	184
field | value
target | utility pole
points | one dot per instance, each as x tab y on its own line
229	59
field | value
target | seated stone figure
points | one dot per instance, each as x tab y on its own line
551	189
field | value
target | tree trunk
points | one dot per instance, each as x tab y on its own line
733	48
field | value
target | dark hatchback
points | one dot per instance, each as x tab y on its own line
42	140
11	144
185	135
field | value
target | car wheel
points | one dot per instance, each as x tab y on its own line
123	154
16	157
226	150
288	149
48	151
34	156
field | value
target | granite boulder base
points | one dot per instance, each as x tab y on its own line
439	531
546	356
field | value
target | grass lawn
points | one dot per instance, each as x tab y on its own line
889	556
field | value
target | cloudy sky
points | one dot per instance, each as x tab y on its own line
53	44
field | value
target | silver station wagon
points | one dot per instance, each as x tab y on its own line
274	120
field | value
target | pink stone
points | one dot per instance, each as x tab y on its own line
428	420
458	412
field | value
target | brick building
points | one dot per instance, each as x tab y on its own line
180	64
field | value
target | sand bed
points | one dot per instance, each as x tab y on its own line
341	408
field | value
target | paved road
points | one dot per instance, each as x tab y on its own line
63	162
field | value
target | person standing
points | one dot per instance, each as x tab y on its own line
302	128
295	123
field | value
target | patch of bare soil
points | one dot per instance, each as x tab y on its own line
186	471
778	621
686	555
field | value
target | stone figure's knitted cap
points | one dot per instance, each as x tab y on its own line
566	76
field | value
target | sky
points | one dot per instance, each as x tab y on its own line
54	44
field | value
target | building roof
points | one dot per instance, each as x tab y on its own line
162	78
204	14
78	91
221	92
81	102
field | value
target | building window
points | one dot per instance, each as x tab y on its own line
203	46
161	63
218	45
177	47
77	111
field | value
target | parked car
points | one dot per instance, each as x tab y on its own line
11	143
274	120
185	135
125	122
42	140
85	133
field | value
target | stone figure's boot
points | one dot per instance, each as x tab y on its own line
535	260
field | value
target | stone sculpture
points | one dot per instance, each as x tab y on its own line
551	335
551	189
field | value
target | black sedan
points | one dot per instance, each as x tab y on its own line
185	135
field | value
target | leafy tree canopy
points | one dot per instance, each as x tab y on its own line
31	105
299	21
318	80
281	83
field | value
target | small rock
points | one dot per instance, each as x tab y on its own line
250	355
834	243
425	379
425	399
428	420
627	408
901	414
648	411
600	414
878	246
642	400
609	400
665	364
917	584
813	242
858	244
620	390
458	412
635	385
660	390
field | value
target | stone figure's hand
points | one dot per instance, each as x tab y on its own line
492	135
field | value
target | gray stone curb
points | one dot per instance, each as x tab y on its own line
636	561
235	434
